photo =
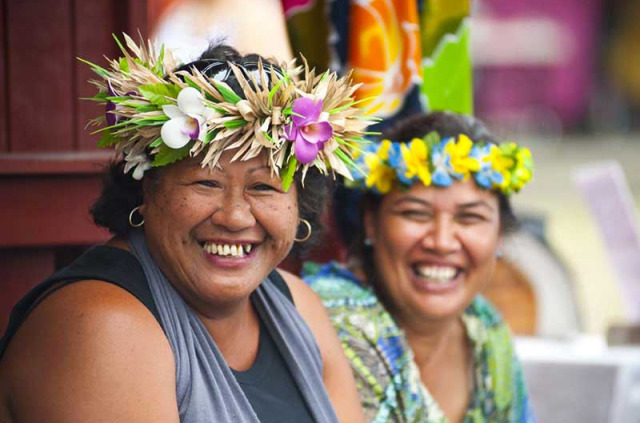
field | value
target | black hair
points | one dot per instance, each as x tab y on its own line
121	193
446	124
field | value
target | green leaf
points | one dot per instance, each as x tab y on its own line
149	121
110	128
350	104
156	143
190	83
146	108
157	93
210	136
108	140
236	123
124	65
97	69
273	91
287	176
346	159
227	93
158	69
101	99
267	136
345	142
167	155
120	46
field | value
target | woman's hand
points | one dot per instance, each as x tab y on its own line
338	378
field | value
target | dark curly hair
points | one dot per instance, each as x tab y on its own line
446	124
121	193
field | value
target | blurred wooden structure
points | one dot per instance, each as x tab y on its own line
49	164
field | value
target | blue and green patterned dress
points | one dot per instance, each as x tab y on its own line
388	380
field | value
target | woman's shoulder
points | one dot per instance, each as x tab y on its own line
355	310
94	309
337	286
91	335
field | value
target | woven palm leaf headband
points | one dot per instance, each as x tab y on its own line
504	168
158	113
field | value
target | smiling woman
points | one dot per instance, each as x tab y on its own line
423	345
182	315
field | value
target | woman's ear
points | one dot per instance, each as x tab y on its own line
369	227
500	247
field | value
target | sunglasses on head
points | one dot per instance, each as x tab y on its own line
221	71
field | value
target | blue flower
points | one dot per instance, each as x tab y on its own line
441	161
487	177
398	164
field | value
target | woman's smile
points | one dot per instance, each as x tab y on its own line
230	254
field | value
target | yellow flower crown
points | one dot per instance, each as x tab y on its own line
505	168
157	113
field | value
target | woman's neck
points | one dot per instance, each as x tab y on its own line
236	334
433	341
442	353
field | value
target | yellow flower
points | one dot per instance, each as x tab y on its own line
523	170
415	157
383	151
502	163
380	175
460	160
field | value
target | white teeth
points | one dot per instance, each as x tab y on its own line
233	250
437	273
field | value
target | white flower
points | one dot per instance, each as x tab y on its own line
140	162
188	120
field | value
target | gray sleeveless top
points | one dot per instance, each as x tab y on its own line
207	390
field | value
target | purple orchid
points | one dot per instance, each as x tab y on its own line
307	129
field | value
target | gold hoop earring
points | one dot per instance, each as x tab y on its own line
306	222
136	224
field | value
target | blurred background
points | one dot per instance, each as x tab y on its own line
562	77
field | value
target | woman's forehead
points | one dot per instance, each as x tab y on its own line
458	193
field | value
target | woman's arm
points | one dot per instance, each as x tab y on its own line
91	352
338	378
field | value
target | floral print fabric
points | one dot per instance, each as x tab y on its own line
387	378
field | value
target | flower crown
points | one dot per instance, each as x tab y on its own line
157	114
505	168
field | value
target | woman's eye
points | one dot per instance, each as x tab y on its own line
415	214
263	187
208	184
471	218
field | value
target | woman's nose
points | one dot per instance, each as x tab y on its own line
235	212
441	237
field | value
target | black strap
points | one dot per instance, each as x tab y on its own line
282	286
